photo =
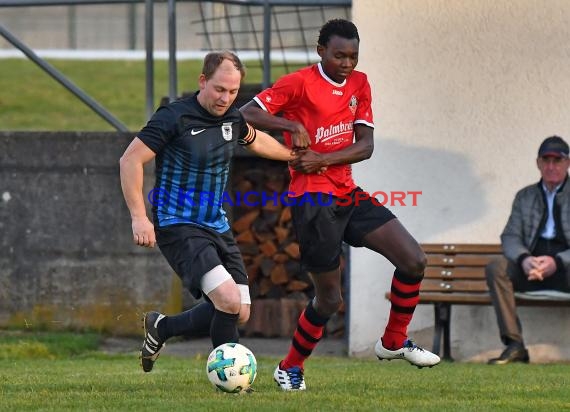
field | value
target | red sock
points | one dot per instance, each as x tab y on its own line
404	296
309	332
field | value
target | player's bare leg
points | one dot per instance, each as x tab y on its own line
289	374
394	242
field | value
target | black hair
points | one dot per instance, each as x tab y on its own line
337	27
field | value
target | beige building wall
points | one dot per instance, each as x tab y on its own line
464	92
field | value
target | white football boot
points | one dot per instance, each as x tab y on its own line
291	379
410	351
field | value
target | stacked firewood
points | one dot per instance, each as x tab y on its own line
263	230
279	286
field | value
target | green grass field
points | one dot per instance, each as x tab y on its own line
55	372
30	99
59	371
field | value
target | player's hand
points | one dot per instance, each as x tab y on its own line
143	232
300	137
308	162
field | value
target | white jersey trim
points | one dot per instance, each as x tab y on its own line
328	79
258	101
364	122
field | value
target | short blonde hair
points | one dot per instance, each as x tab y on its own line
213	60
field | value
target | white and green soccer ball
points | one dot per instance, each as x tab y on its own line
231	367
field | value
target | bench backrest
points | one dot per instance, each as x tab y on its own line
457	268
455	274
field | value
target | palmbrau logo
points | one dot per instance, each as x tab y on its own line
323	134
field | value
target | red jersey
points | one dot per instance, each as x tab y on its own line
329	111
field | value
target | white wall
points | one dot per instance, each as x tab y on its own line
464	92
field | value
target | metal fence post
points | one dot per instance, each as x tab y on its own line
266	45
149	43
173	77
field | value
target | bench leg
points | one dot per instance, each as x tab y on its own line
442	314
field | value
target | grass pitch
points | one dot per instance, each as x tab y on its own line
59	372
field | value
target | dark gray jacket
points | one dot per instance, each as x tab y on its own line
527	218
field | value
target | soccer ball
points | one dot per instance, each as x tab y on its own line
231	367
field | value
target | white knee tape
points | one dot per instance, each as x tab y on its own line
214	278
244	291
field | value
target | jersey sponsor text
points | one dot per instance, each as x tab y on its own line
334	130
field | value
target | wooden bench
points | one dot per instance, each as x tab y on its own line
455	275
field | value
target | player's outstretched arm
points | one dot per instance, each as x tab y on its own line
266	146
132	172
260	119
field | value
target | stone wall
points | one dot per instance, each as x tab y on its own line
66	255
67	260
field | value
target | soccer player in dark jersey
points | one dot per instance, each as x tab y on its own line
192	141
327	117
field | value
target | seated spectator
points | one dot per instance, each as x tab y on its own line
536	243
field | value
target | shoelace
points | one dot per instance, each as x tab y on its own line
410	344
295	376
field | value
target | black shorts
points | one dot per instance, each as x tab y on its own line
192	251
325	222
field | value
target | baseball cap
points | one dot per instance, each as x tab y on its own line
553	146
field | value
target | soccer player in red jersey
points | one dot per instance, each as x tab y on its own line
327	117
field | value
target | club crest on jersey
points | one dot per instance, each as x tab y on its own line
227	131
353	104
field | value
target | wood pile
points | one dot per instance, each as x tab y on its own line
264	233
280	288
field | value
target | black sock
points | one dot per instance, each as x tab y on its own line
191	323
224	328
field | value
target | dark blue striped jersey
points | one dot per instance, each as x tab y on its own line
193	153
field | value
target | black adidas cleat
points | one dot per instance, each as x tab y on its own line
152	344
